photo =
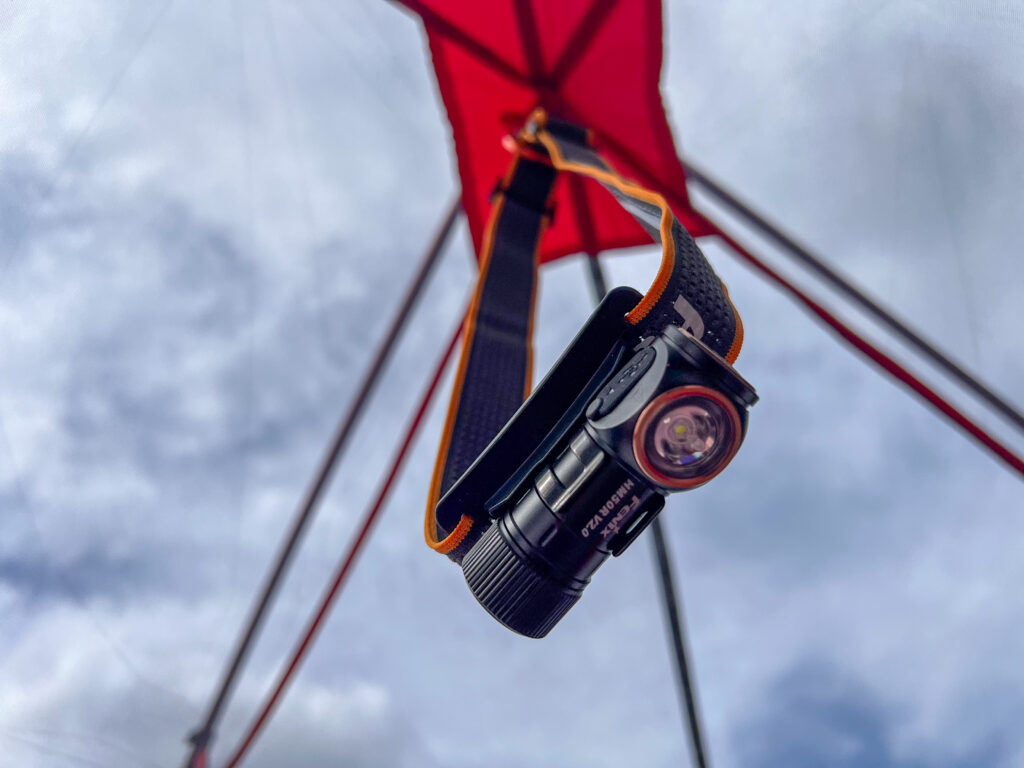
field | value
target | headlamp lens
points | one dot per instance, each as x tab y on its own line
686	433
686	436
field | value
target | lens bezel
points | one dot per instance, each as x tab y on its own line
654	409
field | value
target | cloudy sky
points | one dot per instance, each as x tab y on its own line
206	210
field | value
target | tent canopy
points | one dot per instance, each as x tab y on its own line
596	62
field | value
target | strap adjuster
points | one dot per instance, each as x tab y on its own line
545	210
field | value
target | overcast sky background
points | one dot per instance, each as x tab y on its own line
207	211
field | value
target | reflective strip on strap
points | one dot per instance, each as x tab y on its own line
686	291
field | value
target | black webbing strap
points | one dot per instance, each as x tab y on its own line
494	373
686	291
497	352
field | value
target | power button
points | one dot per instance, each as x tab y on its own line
620	384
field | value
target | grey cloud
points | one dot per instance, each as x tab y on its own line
94	573
816	714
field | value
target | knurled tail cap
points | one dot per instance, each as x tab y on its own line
511	590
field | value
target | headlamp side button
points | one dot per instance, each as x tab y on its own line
620	384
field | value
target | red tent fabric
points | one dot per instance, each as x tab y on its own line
595	62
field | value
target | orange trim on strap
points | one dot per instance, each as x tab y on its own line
737	339
632	189
668	253
452	540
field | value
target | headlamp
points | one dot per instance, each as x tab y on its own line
669	419
531	497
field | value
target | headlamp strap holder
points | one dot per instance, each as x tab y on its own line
495	369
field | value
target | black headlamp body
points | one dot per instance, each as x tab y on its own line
617	424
